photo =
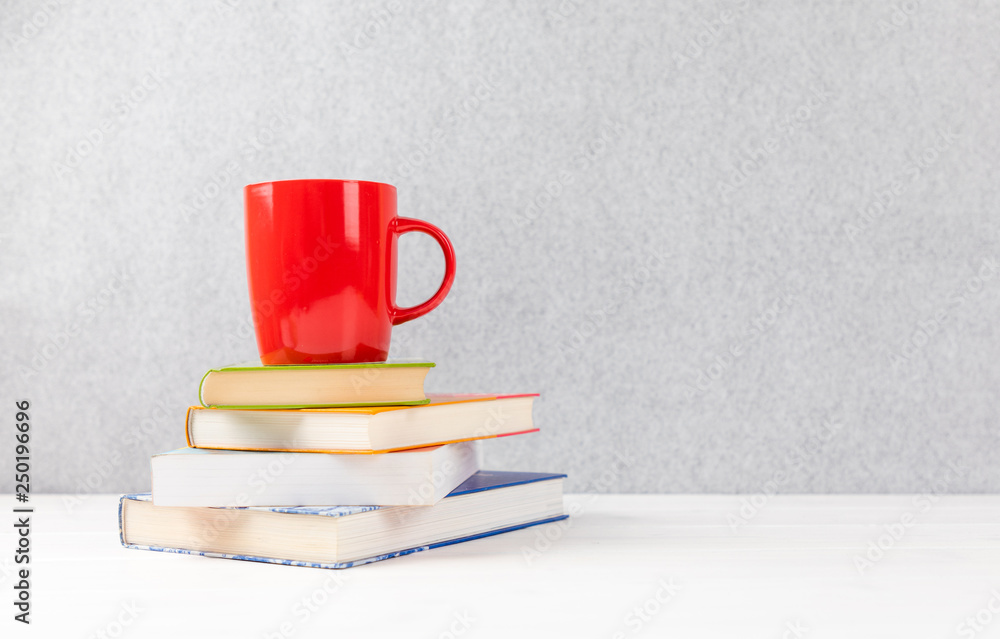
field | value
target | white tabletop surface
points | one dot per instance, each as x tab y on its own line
622	565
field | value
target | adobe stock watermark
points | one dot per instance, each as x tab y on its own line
884	198
226	8
378	23
431	484
437	479
293	278
484	90
93	139
308	605
405	344
83	315
251	149
586	158
133	440
978	622
794	630
461	622
401	346
33	25
795	460
756	328
709	34
926	329
625	290
121	621
895	531
547	535
645	611
750	273
565	10
753	160
900	15
230	515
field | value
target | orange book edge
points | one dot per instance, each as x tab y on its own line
334	451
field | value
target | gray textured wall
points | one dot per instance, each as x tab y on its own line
737	246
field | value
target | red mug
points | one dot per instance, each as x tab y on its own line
321	264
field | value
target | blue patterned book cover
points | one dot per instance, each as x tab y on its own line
481	481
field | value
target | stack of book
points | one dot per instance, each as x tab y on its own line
333	466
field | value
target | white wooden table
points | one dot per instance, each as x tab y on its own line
623	565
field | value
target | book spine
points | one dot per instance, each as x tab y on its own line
121	520
201	385
187	426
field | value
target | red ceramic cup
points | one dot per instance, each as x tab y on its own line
321	264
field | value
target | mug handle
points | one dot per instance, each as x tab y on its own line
408	225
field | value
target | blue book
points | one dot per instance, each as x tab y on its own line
488	503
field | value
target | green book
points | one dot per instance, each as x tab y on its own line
252	386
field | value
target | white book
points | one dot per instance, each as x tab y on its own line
227	478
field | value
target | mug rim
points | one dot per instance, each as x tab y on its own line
335	180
